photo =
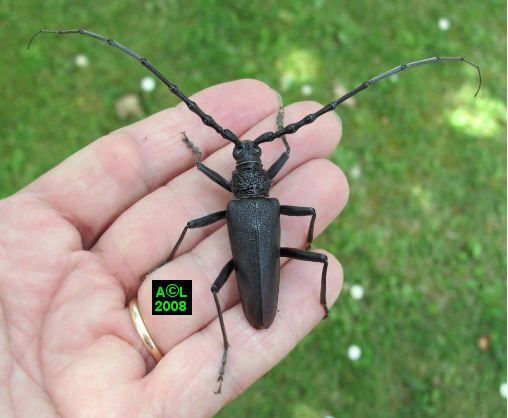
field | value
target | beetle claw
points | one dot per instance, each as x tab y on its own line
326	311
218	391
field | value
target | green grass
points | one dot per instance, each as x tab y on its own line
424	229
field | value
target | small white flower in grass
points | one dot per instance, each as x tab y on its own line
355	171
306	89
81	60
503	390
354	352
147	84
443	23
356	292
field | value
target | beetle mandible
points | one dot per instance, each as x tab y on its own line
253	218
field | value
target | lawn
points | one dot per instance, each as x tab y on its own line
424	230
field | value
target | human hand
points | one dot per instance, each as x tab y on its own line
75	243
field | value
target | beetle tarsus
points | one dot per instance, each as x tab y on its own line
212	175
216	286
193	147
222	370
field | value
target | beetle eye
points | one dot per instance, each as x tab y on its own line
237	152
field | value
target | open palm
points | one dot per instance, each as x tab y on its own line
75	243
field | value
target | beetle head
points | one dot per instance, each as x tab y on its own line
247	152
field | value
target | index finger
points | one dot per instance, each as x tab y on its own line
95	185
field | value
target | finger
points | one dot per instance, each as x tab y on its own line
203	264
92	187
252	352
145	234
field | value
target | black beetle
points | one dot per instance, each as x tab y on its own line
252	216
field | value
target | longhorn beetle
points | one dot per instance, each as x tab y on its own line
253	218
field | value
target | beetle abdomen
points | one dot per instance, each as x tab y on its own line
254	233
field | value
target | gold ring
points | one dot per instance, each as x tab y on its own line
142	331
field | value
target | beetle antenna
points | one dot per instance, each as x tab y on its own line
193	107
293	127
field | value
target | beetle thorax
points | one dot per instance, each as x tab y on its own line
249	178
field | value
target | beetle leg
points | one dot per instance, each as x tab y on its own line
304	255
195	223
301	211
208	172
217	285
279	163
